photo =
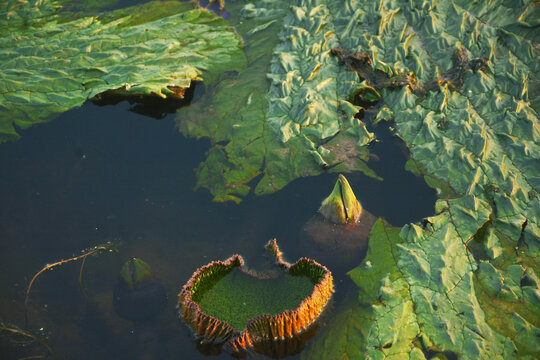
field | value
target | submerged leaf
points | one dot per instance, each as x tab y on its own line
155	49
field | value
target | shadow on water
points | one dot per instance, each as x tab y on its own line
151	106
107	172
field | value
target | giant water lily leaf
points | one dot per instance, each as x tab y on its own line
467	109
351	333
418	295
439	270
269	312
238	297
508	288
288	115
478	130
482	138
49	66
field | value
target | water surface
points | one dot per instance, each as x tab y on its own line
102	173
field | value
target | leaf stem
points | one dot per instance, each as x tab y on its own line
96	249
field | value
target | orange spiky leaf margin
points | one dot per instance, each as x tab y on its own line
263	328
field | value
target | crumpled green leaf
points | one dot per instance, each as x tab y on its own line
508	288
288	115
417	294
471	271
440	272
383	301
49	66
482	138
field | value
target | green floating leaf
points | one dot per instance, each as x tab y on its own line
508	290
416	293
481	132
471	272
440	272
50	66
289	114
482	140
383	302
344	336
228	304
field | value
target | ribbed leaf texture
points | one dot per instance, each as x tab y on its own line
465	284
49	64
289	114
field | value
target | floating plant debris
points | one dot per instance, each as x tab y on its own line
138	294
212	302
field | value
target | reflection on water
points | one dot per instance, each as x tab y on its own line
104	173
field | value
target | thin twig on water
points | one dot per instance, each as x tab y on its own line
99	249
13	330
80	278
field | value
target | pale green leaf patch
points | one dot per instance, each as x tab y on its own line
155	49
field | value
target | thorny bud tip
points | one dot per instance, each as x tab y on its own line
341	206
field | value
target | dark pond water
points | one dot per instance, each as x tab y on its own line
103	173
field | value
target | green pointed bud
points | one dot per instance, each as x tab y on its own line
135	272
341	206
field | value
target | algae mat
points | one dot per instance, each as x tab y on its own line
238	297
